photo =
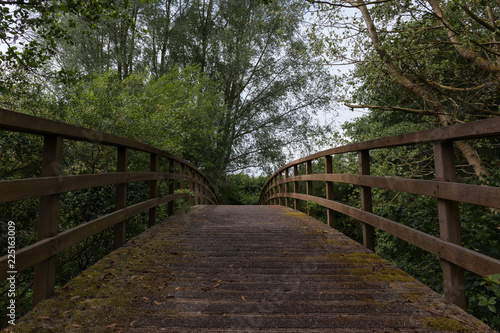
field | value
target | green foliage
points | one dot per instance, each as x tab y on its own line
177	112
240	189
485	302
30	32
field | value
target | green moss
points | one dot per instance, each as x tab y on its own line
105	292
381	274
413	296
357	258
296	214
444	324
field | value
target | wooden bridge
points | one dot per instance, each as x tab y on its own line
243	268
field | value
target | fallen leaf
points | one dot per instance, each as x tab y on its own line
74	297
111	326
243	298
218	284
43	317
157	303
76	325
132	323
66	312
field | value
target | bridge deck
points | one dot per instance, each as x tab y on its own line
241	268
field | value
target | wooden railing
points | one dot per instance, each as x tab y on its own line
51	184
448	247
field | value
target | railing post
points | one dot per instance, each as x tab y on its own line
171	188
309	185
191	187
121	196
182	185
449	223
280	189
329	191
153	187
366	200
295	186
48	214
196	188
273	190
287	187
202	190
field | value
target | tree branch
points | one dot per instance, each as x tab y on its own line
390	108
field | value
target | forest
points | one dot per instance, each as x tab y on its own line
240	87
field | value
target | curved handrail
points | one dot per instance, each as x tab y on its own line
52	183
444	188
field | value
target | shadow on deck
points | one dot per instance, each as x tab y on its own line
245	268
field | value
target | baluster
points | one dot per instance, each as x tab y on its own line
287	187
276	190
202	190
205	191
329	191
182	170
121	197
48	215
153	187
182	185
449	223
196	189
280	189
309	185
171	188
295	187
191	187
366	200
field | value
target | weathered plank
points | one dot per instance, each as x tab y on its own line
244	268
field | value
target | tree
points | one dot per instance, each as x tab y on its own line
413	51
422	64
176	112
255	53
30	31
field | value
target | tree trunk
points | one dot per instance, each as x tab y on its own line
427	96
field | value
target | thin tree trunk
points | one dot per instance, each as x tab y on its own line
427	96
466	53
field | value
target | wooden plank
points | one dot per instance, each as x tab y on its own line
191	187
366	200
471	130
19	189
309	184
20	122
468	259
39	251
474	194
171	187
296	186
279	188
289	273
449	224
121	197
330	214
48	217
153	188
287	187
